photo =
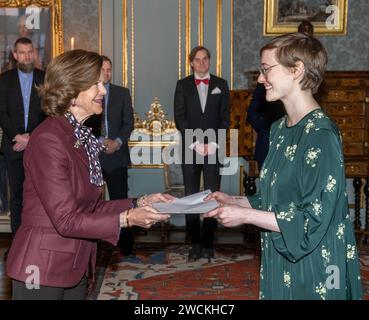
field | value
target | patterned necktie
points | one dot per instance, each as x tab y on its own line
103	127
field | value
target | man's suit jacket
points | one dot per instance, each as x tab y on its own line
188	113
63	212
261	114
12	110
120	125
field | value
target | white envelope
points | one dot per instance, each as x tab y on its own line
192	204
216	91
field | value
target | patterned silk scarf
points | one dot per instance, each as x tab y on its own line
93	148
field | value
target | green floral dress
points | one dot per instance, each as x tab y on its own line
303	182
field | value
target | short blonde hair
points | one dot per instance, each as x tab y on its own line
66	76
295	47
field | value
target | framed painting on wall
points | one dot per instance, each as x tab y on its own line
38	20
329	17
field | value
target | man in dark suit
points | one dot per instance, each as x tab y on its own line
20	113
201	102
114	127
261	114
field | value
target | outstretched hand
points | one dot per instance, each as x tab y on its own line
229	215
221	197
146	216
159	197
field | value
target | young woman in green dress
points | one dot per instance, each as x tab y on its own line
308	244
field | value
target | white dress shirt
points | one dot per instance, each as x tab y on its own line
202	89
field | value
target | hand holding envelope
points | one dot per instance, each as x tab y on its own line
193	204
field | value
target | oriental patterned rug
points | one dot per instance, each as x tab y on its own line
162	272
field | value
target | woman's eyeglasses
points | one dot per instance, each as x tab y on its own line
264	71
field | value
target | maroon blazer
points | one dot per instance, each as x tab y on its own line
63	213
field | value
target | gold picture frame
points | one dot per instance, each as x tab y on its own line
47	36
284	16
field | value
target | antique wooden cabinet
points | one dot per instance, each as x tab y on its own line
239	102
345	98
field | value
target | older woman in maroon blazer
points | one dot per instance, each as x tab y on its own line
63	211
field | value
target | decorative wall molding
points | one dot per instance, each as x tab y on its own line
138	42
232	45
188	35
201	23
219	37
100	26
125	44
179	39
133	52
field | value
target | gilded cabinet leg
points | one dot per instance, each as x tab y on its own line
366	192
357	183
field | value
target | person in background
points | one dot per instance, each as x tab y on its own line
308	248
37	37
306	27
20	114
261	114
201	102
113	127
64	213
3	183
